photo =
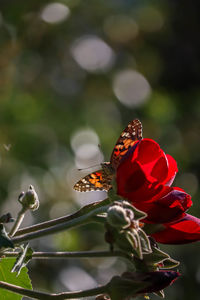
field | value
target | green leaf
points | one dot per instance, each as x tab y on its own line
7	218
5	241
22	280
145	243
170	263
22	259
157	256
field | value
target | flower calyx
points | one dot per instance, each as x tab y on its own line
119	217
123	229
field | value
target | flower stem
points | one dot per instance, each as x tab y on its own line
45	296
84	210
87	217
76	254
18	221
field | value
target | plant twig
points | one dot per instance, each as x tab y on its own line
18	221
83	219
84	210
76	254
45	296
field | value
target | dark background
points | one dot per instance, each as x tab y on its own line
72	75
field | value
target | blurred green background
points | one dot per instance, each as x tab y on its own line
72	75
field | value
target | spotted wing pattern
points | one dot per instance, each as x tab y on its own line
101	180
96	181
128	138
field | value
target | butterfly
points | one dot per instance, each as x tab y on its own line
101	180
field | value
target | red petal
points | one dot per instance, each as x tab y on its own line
153	160
142	174
134	184
160	169
172	170
168	208
147	151
186	230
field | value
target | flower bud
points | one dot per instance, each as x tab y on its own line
119	217
131	284
29	199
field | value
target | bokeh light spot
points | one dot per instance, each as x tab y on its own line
161	108
83	279
83	136
55	13
85	144
120	28
92	54
131	88
150	19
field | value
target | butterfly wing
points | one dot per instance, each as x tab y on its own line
97	181
128	138
101	180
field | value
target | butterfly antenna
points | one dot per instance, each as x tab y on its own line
81	169
99	146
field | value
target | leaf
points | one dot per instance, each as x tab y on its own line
157	256
5	241
22	280
170	263
7	218
145	243
22	259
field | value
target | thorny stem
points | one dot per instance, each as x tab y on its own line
84	210
18	221
45	296
83	219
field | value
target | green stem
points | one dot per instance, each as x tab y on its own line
45	296
84	219
18	221
76	254
84	210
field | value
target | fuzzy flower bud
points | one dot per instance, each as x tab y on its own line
29	199
119	217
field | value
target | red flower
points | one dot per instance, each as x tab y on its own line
144	177
185	230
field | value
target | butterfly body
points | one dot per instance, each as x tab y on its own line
101	180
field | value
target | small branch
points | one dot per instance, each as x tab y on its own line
83	219
45	296
84	210
18	221
24	292
83	254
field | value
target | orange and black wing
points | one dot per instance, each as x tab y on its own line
128	138
101	180
97	181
